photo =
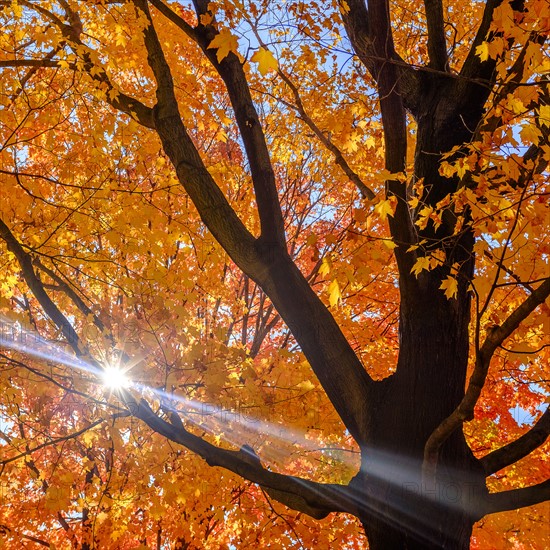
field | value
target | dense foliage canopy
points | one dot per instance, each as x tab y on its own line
316	243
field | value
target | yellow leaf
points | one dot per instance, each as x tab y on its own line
390	244
386	208
334	293
225	42
325	267
120	37
530	133
424	217
95	70
450	286
265	60
422	263
17	10
101	517
544	114
461	168
483	51
88	438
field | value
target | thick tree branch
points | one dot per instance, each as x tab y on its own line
521	447
465	409
170	14
120	101
29	63
371	34
248	121
335	364
70	292
466	92
212	205
516	498
473	66
437	49
309	497
37	288
71	33
361	30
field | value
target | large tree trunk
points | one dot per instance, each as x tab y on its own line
428	385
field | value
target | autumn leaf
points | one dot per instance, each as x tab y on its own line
422	263
324	270
483	51
450	286
334	293
386	207
225	42
265	60
544	114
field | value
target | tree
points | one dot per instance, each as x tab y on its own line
322	216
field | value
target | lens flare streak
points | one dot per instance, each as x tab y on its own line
398	474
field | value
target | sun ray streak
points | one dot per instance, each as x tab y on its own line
392	478
14	336
236	426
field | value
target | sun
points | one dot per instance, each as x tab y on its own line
115	378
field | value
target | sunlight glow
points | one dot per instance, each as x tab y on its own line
115	378
397	478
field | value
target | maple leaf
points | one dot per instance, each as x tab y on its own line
423	263
386	207
544	114
334	293
324	270
265	60
225	42
450	286
483	51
